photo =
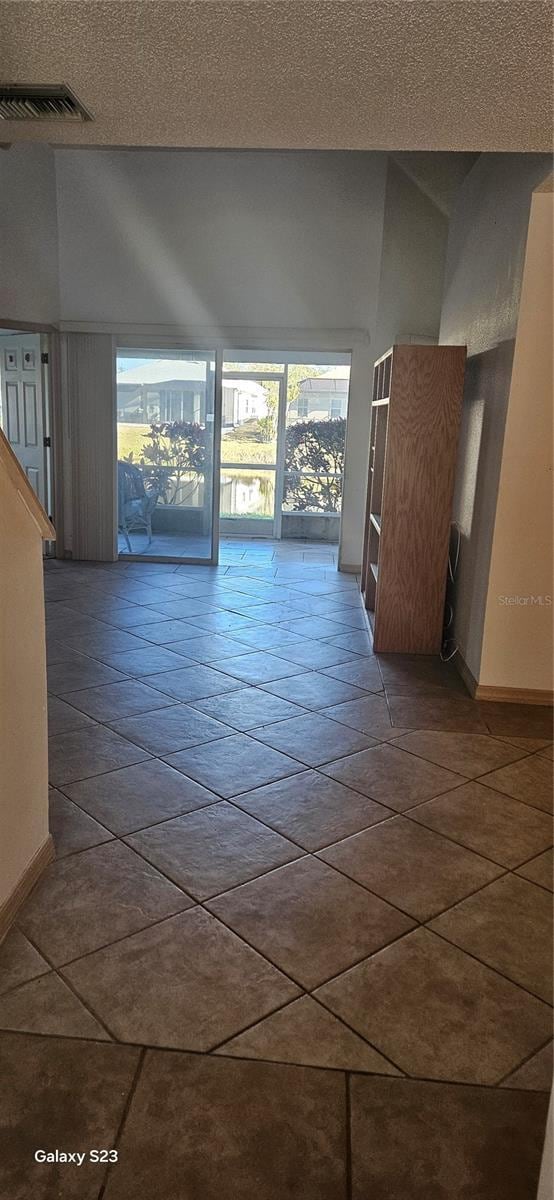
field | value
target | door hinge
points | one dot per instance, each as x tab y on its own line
47	442
44	358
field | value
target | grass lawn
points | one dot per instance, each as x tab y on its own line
132	437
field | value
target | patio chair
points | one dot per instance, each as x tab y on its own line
135	502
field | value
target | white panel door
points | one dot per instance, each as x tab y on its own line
21	409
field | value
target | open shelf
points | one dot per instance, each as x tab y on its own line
375	519
378	441
382	378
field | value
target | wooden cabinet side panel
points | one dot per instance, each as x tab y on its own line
424	417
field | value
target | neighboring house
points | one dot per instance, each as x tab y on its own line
324	397
243	400
162	390
175	390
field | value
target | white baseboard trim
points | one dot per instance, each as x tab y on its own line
502	695
30	876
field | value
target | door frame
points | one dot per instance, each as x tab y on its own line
48	398
48	427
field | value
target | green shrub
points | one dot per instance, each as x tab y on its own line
174	450
314	464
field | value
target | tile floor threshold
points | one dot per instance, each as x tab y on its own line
300	890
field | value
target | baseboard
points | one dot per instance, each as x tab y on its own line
31	875
505	695
502	695
349	568
468	678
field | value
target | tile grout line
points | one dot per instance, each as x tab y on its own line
99	775
489	967
150	753
348	1133
420	923
120	837
534	807
86	1004
68	1037
523	1063
461	1083
449	838
313	855
315	852
124	1115
455	733
55	971
252	1025
70	962
355	1072
218	895
347	1025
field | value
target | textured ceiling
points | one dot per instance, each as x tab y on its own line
373	74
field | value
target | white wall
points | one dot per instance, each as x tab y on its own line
412	264
546	1181
518	634
484	267
23	723
278	240
267	241
91	448
406	304
29	289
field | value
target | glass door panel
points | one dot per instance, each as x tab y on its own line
247	493
251	403
165	453
313	449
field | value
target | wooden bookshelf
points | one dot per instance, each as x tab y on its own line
415	418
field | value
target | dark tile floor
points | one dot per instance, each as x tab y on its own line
296	937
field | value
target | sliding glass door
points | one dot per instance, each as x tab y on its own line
283	434
245	448
165	454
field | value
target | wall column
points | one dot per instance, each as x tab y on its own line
517	639
92	440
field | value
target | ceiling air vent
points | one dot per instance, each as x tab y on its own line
31	102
